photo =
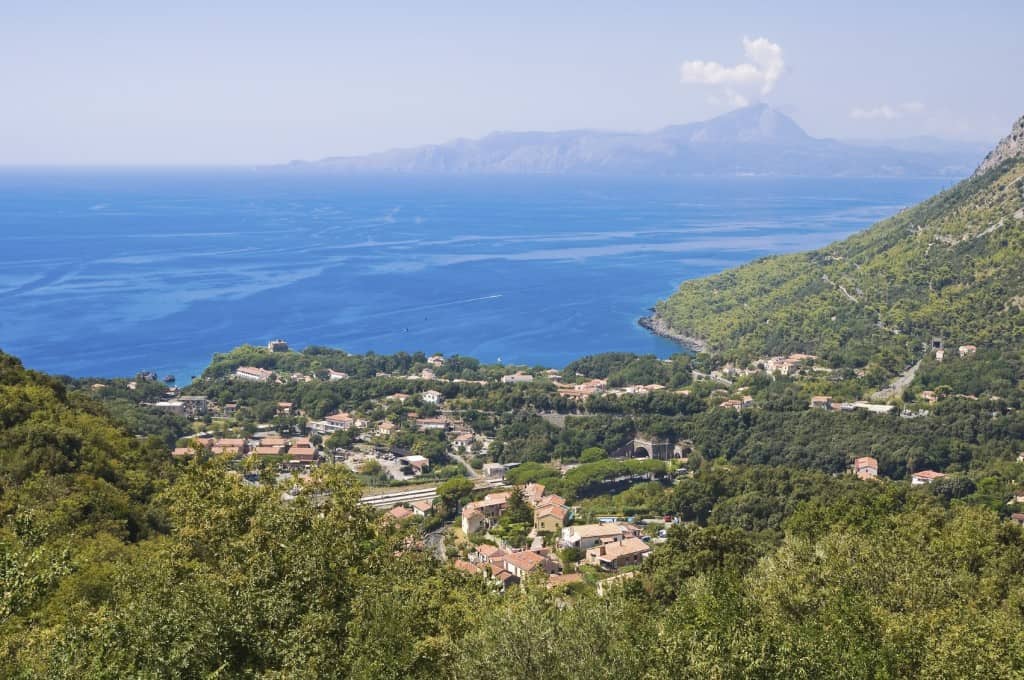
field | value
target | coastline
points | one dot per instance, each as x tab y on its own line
660	327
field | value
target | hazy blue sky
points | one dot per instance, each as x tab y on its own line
254	82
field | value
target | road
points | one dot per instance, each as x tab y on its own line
473	474
898	386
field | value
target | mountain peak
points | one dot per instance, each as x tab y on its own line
758	123
1011	146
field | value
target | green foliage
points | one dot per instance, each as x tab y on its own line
948	267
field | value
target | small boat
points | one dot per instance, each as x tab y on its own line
168	378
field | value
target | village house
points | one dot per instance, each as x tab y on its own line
966	350
468	567
425	424
436	360
586	536
738	404
386	428
494	471
925	477
929	396
550	517
333	423
428	374
517	377
822	402
422	508
400	397
940	354
432	397
173	407
284	408
261	450
483	514
865	467
230	446
183	452
617	554
336	375
464	441
419	464
1017	518
398	513
522	563
253	373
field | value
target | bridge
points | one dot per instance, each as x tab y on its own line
643	446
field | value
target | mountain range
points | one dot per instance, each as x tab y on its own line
756	140
948	267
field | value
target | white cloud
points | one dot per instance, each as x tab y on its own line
739	83
887	112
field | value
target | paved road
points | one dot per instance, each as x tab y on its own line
473	474
898	386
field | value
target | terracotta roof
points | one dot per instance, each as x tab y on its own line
423	506
468	567
398	512
525	560
560	512
555	580
624	548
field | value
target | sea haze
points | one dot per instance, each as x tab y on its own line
105	273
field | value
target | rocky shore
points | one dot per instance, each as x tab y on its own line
657	325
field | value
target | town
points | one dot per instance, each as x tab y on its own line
434	456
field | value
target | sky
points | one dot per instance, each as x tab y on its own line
125	83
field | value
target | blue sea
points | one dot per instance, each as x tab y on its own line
108	272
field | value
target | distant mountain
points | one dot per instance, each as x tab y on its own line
948	267
757	140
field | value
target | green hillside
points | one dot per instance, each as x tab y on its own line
952	266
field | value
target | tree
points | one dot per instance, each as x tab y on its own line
593	454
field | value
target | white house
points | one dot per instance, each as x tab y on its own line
925	477
432	397
517	377
253	373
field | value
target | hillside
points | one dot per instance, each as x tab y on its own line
948	267
753	140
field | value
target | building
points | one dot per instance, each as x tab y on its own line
436	360
173	407
821	402
398	513
517	377
419	464
925	477
386	428
264	450
183	452
422	508
865	467
464	441
284	408
277	346
253	373
424	424
483	514
617	554
966	350
427	374
494	471
525	562
333	423
230	446
400	397
533	492
1017	518
432	397
336	375
586	536
550	518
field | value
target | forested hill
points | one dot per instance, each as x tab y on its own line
949	267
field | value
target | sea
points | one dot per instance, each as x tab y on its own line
107	272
